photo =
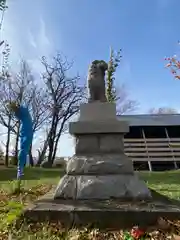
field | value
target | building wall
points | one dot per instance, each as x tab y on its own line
153	147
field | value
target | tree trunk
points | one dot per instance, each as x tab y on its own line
51	148
49	143
41	154
55	150
31	162
57	140
16	145
8	142
52	138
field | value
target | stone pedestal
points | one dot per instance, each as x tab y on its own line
100	169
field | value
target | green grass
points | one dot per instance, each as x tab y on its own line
38	181
166	183
33	177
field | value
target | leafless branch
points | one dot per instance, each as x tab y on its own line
65	95
123	104
162	110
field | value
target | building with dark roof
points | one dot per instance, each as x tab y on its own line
153	142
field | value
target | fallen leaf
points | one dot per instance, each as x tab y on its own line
176	237
163	224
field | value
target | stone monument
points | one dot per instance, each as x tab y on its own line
99	170
100	187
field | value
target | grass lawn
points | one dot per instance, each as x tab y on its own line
166	183
39	181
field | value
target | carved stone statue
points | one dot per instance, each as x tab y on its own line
96	81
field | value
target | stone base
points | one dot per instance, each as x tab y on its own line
99	165
93	144
103	214
97	111
98	118
124	186
115	126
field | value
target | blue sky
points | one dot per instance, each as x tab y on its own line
84	30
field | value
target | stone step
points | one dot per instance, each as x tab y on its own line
103	214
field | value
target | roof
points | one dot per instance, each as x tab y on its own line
152	119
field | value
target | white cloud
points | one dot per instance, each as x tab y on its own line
28	36
32	40
43	36
40	41
27	31
41	45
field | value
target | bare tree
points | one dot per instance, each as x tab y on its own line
22	88
32	94
65	94
163	110
124	105
6	118
40	111
3	75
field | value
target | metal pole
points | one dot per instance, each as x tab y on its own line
169	141
149	162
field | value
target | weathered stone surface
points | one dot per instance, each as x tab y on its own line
113	213
66	188
102	187
97	111
96	81
114	126
111	186
99	143
100	164
111	143
87	144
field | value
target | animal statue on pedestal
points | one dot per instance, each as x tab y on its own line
96	81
